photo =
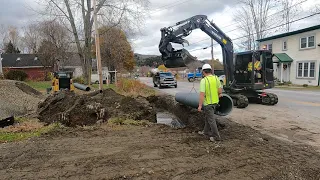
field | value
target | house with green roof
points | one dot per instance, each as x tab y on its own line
296	55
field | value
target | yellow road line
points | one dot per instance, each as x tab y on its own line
301	102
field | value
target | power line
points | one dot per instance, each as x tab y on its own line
263	30
251	23
169	6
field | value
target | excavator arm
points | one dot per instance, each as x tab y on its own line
181	58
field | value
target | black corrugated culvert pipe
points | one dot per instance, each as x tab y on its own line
81	87
192	100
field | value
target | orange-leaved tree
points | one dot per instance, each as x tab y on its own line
116	51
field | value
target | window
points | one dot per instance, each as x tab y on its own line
284	45
270	47
307	42
306	70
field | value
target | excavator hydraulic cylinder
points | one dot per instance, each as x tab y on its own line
192	99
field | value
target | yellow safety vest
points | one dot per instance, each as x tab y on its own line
212	86
256	65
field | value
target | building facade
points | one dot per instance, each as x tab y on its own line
296	55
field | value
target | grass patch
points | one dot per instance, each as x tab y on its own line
25	128
133	87
39	85
104	86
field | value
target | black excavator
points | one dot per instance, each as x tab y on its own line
241	84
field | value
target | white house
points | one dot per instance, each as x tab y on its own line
296	55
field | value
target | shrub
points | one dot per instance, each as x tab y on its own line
49	76
305	85
16	75
133	87
79	80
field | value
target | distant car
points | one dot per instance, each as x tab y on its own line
95	79
162	79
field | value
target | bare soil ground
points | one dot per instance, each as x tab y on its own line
109	151
156	152
295	126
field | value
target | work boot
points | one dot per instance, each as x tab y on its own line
201	132
212	139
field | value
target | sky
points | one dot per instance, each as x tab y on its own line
166	13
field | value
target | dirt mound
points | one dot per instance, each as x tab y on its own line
27	89
88	109
190	117
17	98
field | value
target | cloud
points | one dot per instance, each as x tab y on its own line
168	15
16	12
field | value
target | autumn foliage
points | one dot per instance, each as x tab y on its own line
116	51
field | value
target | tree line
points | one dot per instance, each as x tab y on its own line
67	25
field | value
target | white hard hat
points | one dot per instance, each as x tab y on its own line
206	66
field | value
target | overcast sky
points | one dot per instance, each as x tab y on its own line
164	13
221	11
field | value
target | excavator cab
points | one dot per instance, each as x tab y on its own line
254	70
62	80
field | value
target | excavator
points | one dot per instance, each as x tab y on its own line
241	84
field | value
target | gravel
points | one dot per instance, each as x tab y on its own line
17	98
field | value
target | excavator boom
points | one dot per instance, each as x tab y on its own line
181	58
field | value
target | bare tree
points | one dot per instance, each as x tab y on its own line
54	42
290	9
258	11
13	35
3	36
245	24
32	38
77	15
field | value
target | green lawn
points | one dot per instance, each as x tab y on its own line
39	85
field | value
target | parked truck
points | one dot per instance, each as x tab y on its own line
196	75
163	79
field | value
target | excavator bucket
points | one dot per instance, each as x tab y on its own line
179	58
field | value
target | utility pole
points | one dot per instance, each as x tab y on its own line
212	46
1	73
97	42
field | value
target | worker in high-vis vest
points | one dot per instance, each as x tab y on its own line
210	92
257	66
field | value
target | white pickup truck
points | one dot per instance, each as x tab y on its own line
95	78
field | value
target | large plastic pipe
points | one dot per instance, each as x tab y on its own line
192	100
81	87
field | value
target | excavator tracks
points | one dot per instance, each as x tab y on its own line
269	99
240	101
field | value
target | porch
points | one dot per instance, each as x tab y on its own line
283	66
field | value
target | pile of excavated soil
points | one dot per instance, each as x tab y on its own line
87	109
17	98
188	116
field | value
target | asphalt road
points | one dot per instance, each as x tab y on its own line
297	101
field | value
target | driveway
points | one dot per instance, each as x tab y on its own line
296	118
